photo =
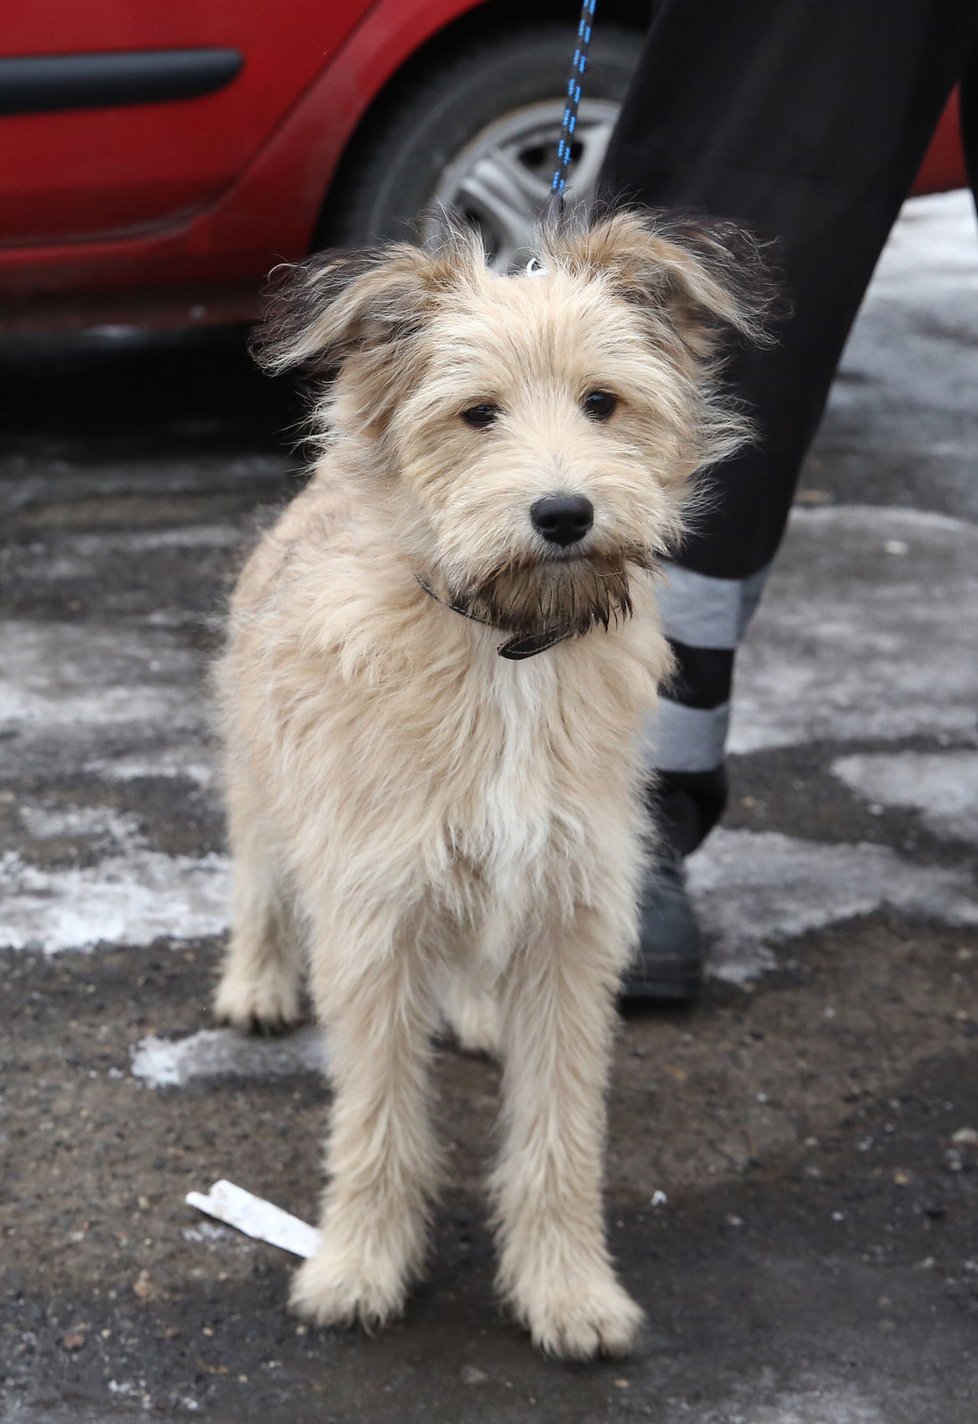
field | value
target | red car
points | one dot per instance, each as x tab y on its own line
156	160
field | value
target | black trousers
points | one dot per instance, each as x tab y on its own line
806	121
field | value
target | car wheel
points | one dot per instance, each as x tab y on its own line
478	134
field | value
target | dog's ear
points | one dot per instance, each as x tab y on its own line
317	312
704	280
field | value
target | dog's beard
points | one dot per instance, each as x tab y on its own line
565	596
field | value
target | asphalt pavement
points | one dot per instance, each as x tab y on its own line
793	1163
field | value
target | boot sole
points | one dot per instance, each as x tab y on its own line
661	988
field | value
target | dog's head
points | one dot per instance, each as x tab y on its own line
528	437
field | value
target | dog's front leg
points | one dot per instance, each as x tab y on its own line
373	994
554	1264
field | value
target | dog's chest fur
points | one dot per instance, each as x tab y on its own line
528	777
514	796
425	755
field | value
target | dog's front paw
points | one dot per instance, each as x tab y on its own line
336	1288
262	1003
579	1322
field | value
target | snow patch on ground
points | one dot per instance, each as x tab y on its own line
223	1052
830	1404
69	681
754	891
45	823
854	641
133	898
187	760
910	368
932	245
85	554
133	895
942	786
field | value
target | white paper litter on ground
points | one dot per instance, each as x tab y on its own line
256	1217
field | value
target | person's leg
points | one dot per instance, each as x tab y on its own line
806	124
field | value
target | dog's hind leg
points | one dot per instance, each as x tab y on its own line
372	984
261	977
472	1010
558	1010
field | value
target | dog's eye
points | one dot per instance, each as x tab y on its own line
599	405
480	416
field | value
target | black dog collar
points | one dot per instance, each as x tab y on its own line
515	649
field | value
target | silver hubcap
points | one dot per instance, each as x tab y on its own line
500	181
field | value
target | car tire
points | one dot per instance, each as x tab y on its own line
508	88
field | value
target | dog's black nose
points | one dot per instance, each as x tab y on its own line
562	518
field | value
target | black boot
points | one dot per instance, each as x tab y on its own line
668	963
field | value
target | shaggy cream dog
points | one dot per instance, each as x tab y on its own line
439	662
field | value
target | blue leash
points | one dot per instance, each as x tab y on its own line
569	124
